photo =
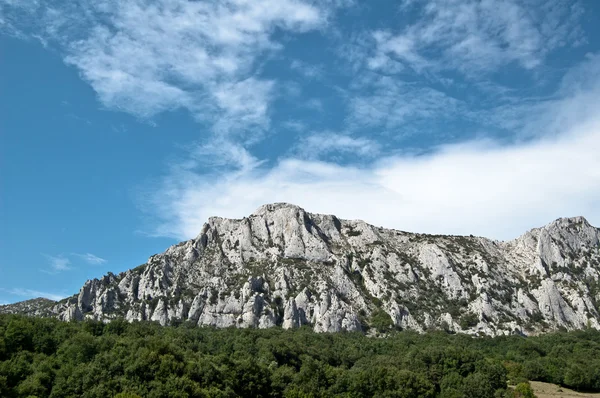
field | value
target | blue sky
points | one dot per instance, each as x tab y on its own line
125	124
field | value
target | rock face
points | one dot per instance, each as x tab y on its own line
282	266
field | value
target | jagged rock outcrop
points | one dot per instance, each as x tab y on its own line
284	266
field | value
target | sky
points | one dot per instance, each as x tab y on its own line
125	124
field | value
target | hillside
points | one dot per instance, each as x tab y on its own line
38	306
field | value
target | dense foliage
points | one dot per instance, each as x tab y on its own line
45	357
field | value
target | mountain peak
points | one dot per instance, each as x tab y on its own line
571	221
272	207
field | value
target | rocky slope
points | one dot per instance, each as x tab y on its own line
284	266
38	306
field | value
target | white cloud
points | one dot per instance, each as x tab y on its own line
202	56
62	263
294	125
400	108
145	58
244	104
58	263
315	146
575	100
477	187
217	154
475	36
307	70
314	104
390	103
29	294
90	258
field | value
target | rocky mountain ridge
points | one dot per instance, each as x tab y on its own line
282	266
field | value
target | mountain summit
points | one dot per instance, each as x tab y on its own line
282	266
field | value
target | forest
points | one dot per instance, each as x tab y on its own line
42	357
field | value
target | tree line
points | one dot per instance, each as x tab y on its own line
42	357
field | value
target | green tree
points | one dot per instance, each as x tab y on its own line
381	320
127	395
578	377
523	390
477	385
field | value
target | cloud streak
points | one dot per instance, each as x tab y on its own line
318	145
388	103
476	37
90	258
58	263
30	294
63	263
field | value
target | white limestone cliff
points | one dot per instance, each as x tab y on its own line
282	266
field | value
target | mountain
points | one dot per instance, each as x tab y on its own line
284	266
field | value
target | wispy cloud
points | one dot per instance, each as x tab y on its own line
477	36
313	104
317	145
243	105
90	258
63	263
30	293
434	74
58	263
147	58
206	57
80	119
389	103
307	70
294	125
480	186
